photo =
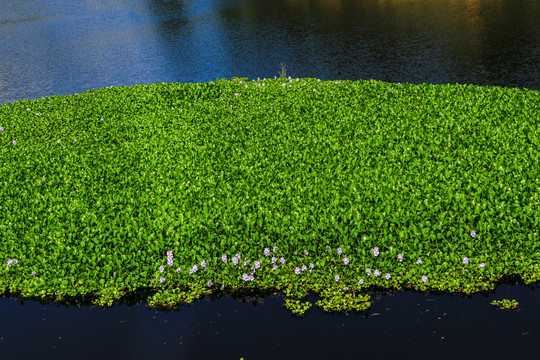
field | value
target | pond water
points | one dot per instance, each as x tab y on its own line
64	47
406	325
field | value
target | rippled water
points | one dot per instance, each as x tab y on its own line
64	47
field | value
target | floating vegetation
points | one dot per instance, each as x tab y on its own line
505	304
299	186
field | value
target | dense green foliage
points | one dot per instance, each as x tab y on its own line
325	187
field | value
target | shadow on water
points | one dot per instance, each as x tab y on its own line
405	324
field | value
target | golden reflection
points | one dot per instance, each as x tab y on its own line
474	23
332	6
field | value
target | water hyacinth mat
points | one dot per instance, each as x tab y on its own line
299	186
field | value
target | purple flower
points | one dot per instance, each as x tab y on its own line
424	278
473	234
419	261
266	252
274	267
339	251
400	257
33	273
346	261
368	271
304	267
297	270
1	128
210	283
306	252
203	264
482	265
169	254
161	268
193	269
257	264
12	262
245	277
375	251
387	277
238	256
245	263
235	260
224	258
14	142
345	288
311	265
235	94
376	273
170	261
162	280
178	269
275	249
465	261
361	281
336	278
282	260
274	259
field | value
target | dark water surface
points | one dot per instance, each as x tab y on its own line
406	325
64	47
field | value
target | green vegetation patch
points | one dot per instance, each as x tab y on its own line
505	304
295	185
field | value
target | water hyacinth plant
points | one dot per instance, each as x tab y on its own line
309	187
505	304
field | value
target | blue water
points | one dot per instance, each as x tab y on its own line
64	47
